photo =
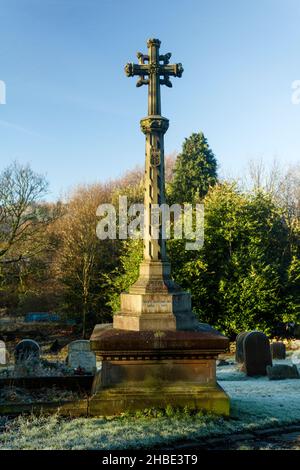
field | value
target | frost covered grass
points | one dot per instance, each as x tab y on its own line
99	433
259	399
255	403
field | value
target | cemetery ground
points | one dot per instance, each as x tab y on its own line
265	414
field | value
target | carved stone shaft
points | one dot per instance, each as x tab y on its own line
154	300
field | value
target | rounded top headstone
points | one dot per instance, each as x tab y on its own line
2	352
257	353
27	349
278	350
81	357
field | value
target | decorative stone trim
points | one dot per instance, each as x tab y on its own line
157	357
154	124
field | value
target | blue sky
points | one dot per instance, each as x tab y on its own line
73	114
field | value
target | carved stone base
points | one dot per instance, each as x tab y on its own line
155	302
155	369
114	401
160	311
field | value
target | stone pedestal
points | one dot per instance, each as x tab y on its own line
157	368
155	302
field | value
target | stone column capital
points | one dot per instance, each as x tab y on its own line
154	124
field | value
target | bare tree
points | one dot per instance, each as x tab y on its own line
266	179
283	184
289	191
80	256
22	215
169	166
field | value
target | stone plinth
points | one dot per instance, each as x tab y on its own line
155	311
143	369
155	302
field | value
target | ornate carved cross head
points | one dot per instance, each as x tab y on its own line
152	66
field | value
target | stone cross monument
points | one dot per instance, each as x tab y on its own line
154	301
156	353
154	127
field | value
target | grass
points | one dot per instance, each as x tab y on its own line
54	432
141	431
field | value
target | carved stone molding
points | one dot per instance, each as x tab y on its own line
154	124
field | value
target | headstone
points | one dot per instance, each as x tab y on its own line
239	347
26	350
2	353
282	371
79	345
279	330
80	357
257	353
278	350
297	331
295	357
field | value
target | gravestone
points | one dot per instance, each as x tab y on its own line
79	345
296	357
239	347
27	350
297	331
278	350
2	353
257	353
80	356
282	371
